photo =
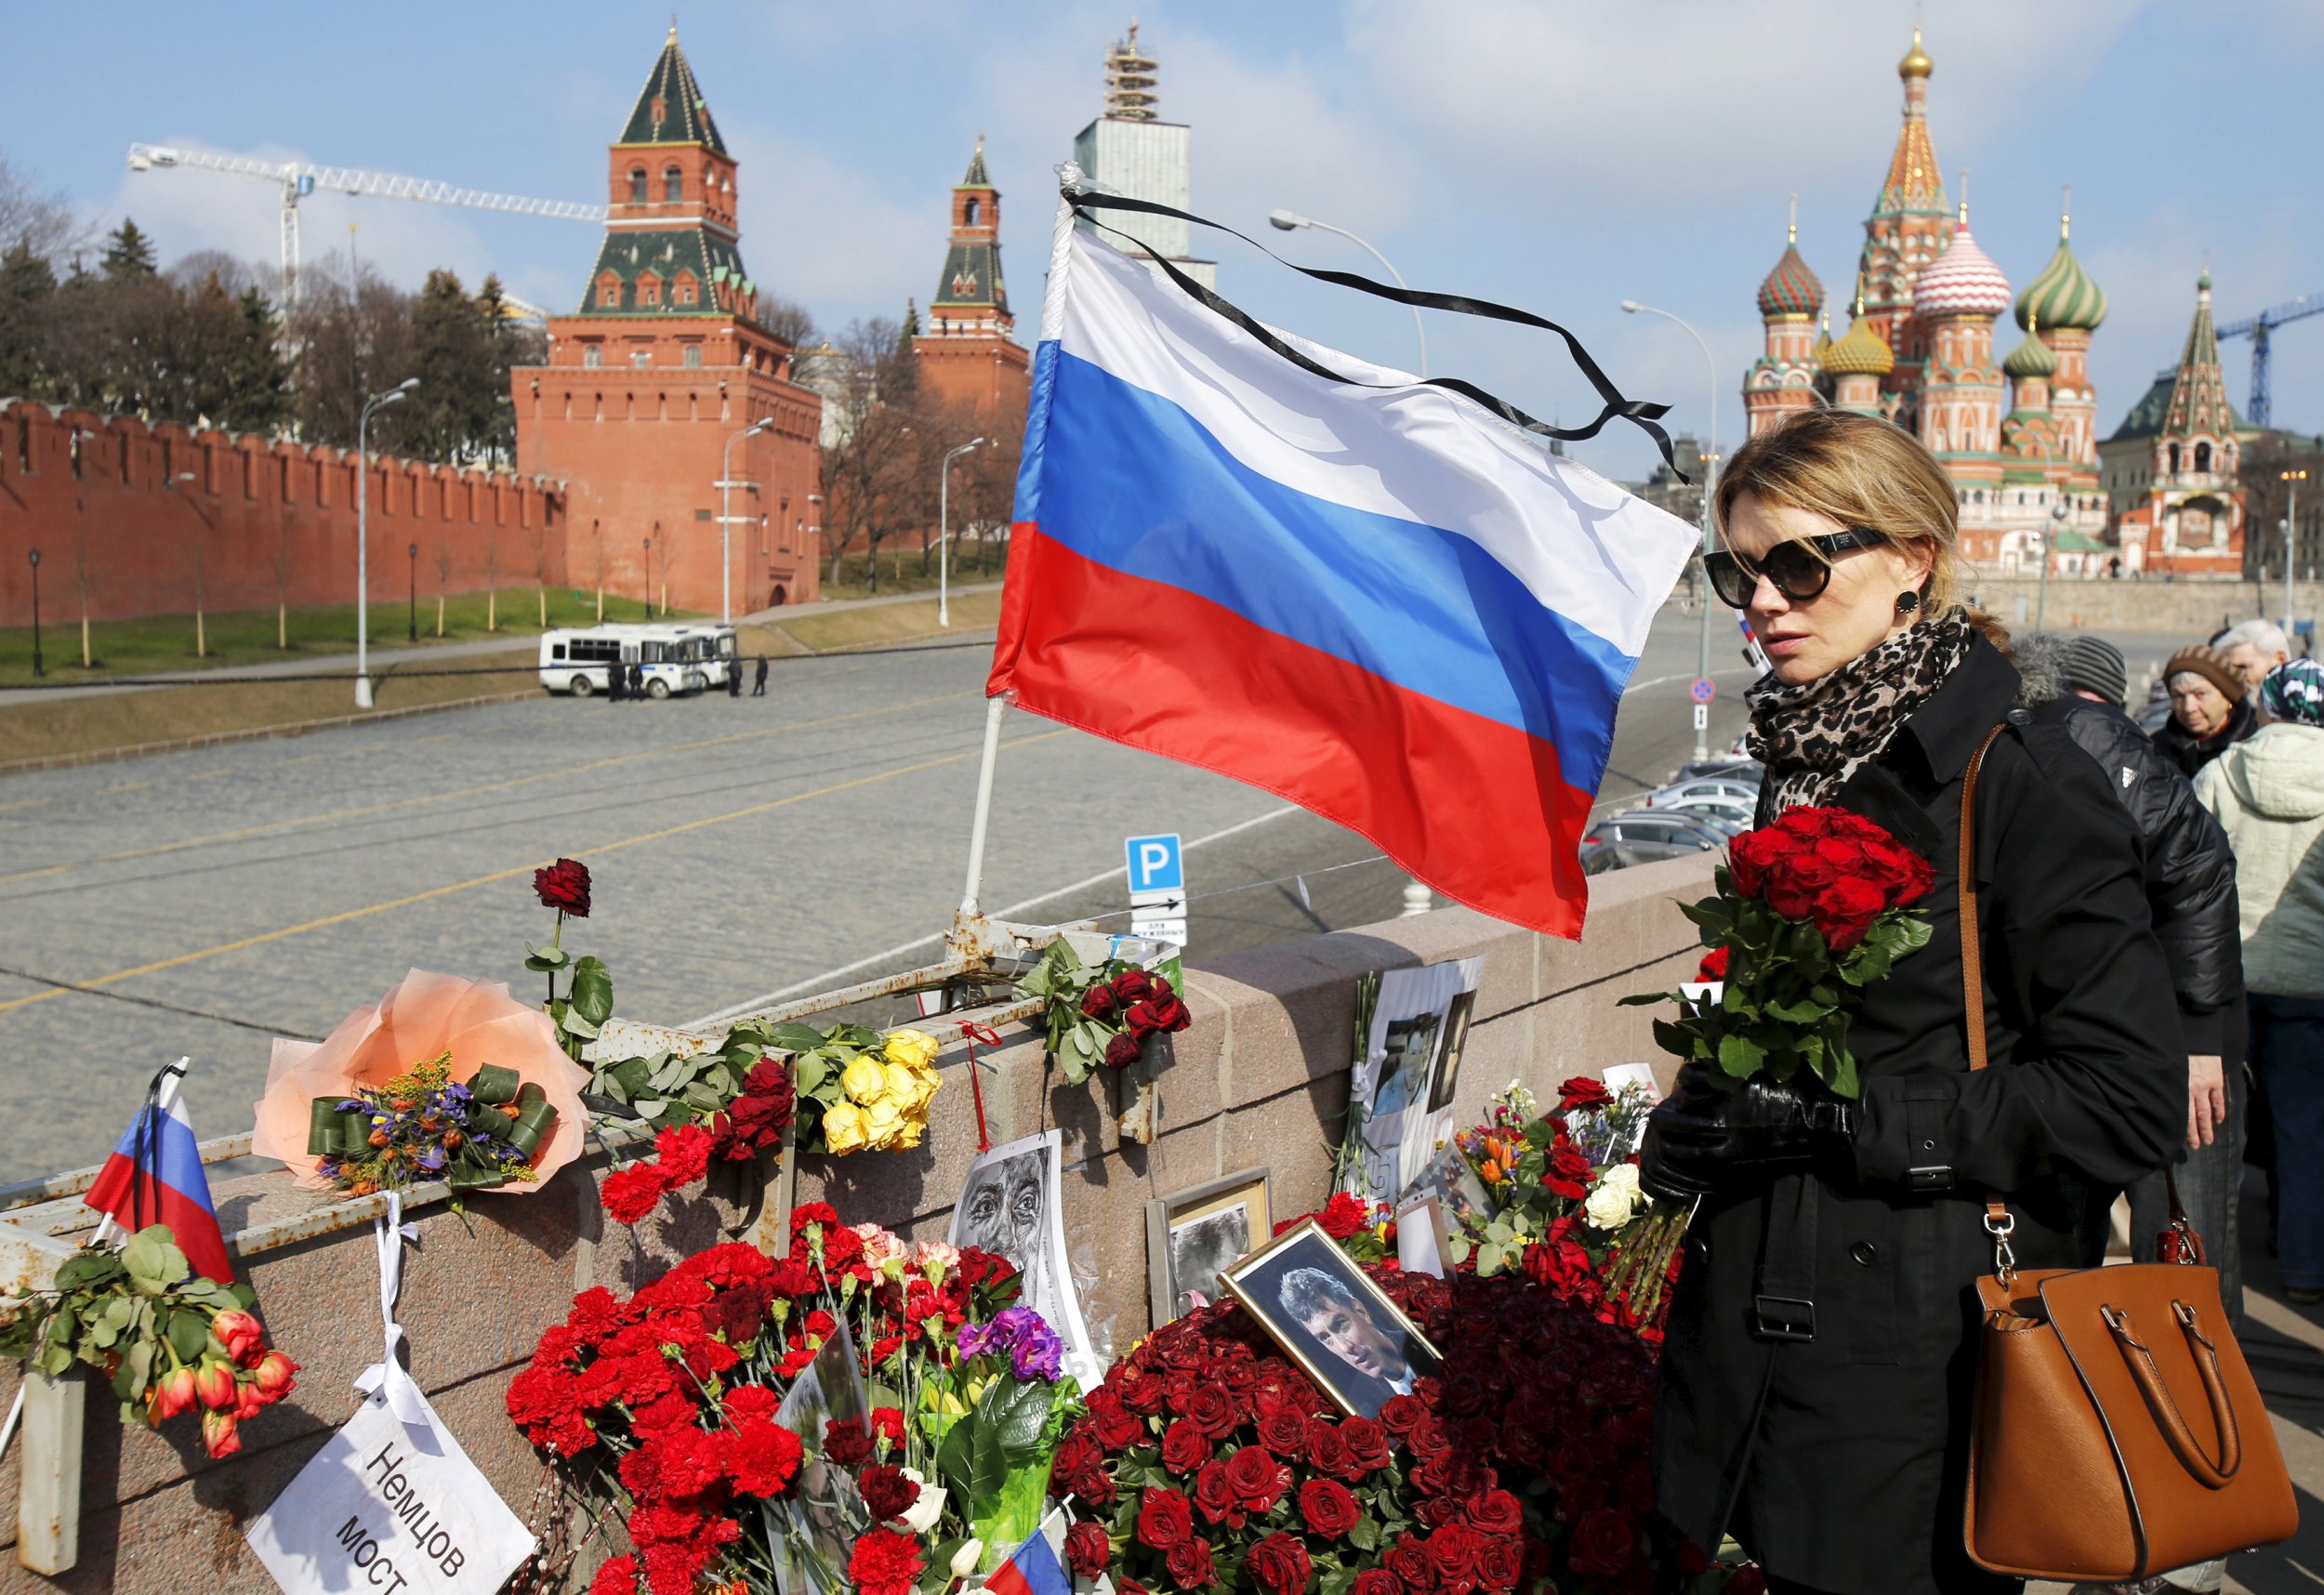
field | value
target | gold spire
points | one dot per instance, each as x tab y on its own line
1795	219
1964	196
673	27
1916	63
2065	213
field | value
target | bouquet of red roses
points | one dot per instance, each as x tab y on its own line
1207	1458
1809	911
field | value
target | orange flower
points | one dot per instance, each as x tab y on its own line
1491	1172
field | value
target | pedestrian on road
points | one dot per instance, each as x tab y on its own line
637	681
1817	1368
2211	709
2268	793
759	679
2079	682
616	682
735	679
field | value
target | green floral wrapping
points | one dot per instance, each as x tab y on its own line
536	1122
495	1084
483	1120
354	1132
530	1094
323	1125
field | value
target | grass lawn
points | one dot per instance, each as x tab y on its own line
900	570
163	644
892	621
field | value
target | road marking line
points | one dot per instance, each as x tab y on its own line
446	890
440	736
124	786
25	803
274	826
209	775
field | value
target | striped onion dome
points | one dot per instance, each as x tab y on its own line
1791	289
2033	358
1962	282
1861	352
2063	296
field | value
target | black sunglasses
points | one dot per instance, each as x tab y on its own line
1794	565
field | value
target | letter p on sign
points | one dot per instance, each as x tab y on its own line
1156	864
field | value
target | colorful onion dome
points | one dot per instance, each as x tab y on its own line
1916	62
1791	289
2031	359
1862	352
2063	296
1962	282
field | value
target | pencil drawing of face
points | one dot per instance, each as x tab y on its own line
1003	1213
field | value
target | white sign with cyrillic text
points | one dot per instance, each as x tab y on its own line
393	1506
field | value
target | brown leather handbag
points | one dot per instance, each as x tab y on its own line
2117	1431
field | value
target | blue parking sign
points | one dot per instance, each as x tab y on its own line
1154	864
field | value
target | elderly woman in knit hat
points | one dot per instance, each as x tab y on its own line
2269	794
2211	709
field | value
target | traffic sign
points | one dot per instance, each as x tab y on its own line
1156	864
1704	689
1702	717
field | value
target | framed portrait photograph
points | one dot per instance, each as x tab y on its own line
1447	1078
1194	1235
1013	1204
1331	1320
814	1530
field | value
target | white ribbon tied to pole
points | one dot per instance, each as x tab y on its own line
386	1379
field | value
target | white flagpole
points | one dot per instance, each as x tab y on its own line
1069	179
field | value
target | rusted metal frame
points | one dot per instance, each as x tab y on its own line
56	1413
25	1193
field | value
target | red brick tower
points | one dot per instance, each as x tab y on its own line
663	364
965	355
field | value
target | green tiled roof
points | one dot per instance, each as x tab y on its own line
683	115
971	278
629	252
976	178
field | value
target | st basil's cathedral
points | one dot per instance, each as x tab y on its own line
2017	434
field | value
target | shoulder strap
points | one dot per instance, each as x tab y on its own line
1998	1222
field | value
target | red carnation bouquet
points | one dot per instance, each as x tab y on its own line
1808	912
1207	1458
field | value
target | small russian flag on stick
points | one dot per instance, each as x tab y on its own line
1036	1567
155	1177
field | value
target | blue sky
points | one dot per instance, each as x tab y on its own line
1558	156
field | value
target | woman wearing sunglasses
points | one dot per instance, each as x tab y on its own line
1819	1362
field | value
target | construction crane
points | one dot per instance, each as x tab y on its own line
2257	329
299	178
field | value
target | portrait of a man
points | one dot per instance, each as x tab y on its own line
1011	1206
1332	1320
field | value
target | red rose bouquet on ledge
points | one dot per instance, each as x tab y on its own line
1103	1012
1808	911
1209	1458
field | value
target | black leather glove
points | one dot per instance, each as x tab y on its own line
1709	1132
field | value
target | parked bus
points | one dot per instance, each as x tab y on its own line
677	658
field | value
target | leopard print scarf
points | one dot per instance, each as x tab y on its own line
1812	735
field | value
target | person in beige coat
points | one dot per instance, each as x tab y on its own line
2268	795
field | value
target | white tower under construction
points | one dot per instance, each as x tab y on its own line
1133	152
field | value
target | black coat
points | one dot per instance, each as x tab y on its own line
1838	1462
2190	753
2190	868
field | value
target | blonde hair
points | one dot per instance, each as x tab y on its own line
1863	472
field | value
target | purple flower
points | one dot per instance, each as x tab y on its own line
432	1159
1020	1333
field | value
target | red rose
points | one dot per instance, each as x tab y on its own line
1327	1450
1123	1050
1164	1519
1496	1512
884	1563
846	1442
564	885
1752	855
1401	1414
1793	886
1713	967
1343	1216
1602	1544
1117	1428
1845	911
1278	1564
1371	1581
1568	1173
1410	1561
1367	1447
1184	1446
1581	1093
1453	1551
1328	1507
1214	1410
886	1492
1157	1015
1749	1579
1087	1548
1257	1479
1132	986
1812	823
1190	1564
1216	1496
1500	1564
1098	1002
1283	1430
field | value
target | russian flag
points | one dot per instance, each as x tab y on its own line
155	1177
1380	601
1036	1567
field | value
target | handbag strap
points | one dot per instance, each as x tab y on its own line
1997	1221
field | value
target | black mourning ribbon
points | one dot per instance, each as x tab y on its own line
147	1142
1617	405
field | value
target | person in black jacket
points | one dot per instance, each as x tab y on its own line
2079	682
2211	709
1819	1366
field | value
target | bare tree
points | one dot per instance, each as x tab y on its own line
43	224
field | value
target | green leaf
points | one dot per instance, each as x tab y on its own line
1739	1056
188	1335
546	959
592	993
154	1261
1645	997
1365	1536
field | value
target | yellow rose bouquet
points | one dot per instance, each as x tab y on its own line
860	1090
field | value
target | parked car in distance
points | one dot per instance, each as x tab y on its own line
1722	789
1727	767
1727	819
1646	836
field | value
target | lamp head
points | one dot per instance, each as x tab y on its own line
183	476
412	549
33	555
407	385
1287	220
1630	307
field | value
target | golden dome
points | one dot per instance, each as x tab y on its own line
1917	63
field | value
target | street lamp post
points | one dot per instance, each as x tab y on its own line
1711	474
200	638
2043	546
362	534
944	532
411	613
726	518
2292	479
647	544
1290	220
40	666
